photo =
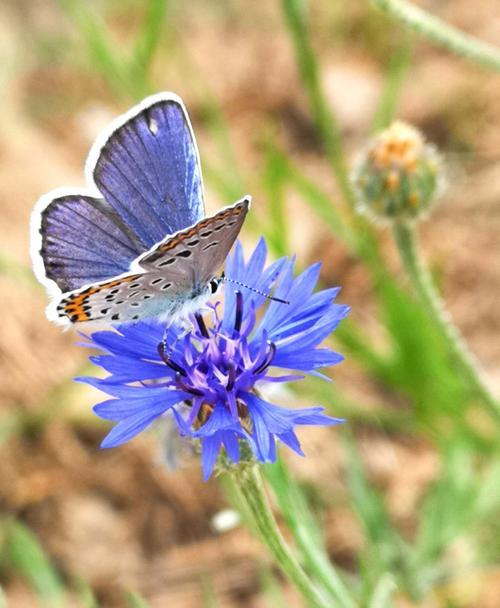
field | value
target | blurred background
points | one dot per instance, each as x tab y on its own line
406	495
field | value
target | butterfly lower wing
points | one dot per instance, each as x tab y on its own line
124	299
147	167
78	239
170	277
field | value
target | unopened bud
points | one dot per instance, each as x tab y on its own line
398	175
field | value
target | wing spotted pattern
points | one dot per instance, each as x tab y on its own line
173	274
198	230
77	305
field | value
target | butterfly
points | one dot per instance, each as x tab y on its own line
135	244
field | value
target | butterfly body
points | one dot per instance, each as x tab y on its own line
135	245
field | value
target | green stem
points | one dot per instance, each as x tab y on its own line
423	285
249	483
441	33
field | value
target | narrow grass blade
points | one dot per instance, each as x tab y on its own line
448	508
274	178
307	535
134	600
99	49
273	594
149	37
399	66
382	595
209	597
315	197
384	549
296	20
84	593
14	269
26	554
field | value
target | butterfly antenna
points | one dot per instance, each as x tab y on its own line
226	279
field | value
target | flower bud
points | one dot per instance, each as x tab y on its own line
398	175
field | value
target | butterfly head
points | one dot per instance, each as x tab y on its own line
215	283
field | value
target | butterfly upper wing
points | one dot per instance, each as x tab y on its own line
148	169
81	239
173	273
199	251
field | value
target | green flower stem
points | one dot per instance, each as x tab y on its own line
423	285
441	33
248	480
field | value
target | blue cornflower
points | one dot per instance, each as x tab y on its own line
214	371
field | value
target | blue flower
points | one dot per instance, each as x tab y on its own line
218	369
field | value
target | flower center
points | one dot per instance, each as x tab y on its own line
215	365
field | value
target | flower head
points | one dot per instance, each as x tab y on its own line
208	376
398	175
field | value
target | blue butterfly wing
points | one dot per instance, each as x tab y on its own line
148	169
81	240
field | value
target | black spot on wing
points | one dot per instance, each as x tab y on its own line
166	262
213	244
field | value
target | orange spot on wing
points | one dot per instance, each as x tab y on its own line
74	303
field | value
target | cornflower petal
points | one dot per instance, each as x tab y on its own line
210	448
129	427
117	409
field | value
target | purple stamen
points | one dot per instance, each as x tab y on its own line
168	361
185	387
201	325
268	360
231	372
239	312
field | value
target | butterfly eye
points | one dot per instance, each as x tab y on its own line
214	285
